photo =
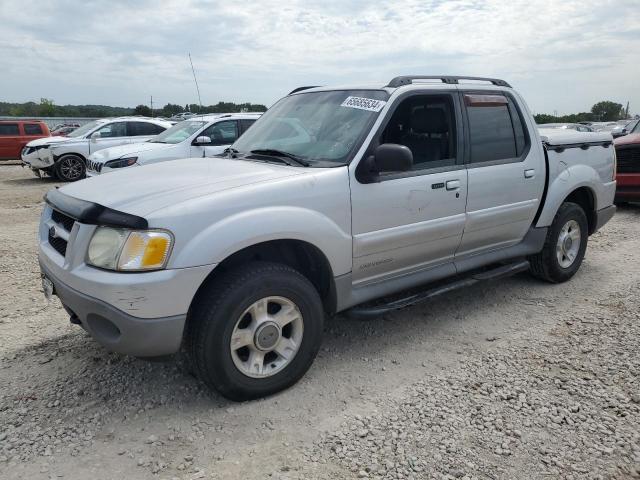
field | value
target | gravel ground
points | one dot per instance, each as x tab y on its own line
510	379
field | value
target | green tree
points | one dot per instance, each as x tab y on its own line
142	110
607	111
171	109
47	108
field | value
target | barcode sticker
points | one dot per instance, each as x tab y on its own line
363	104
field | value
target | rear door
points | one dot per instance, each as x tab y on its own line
10	141
142	131
505	175
412	221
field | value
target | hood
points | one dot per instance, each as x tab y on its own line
120	151
48	141
631	139
142	190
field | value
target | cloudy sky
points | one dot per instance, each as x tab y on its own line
562	55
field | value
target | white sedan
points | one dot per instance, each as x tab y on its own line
201	136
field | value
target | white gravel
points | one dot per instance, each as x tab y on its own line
511	379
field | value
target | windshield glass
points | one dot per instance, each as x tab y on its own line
84	129
634	127
317	126
179	132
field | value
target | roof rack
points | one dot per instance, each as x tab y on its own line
408	80
299	89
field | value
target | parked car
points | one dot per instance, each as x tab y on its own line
15	134
334	198
571	126
182	116
624	128
628	166
65	157
64	129
202	136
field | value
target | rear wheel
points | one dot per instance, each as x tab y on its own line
255	331
564	247
70	168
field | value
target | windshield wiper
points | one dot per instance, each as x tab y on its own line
156	141
270	152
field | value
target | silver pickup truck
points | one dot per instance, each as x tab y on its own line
336	199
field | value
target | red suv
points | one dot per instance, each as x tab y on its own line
628	171
15	134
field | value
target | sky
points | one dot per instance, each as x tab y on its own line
563	55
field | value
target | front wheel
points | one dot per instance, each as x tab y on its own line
255	331
564	247
70	168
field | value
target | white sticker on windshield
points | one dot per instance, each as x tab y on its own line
363	103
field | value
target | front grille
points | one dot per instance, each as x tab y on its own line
62	219
95	166
628	159
58	244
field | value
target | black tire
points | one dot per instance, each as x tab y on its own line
70	168
221	303
545	265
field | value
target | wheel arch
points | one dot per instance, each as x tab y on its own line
300	255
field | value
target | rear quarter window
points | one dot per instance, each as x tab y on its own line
32	129
7	129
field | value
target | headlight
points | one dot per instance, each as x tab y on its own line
121	162
129	250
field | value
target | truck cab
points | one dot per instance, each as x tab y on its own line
358	199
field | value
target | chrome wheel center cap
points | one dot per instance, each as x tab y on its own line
267	336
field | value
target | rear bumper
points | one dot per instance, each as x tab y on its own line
603	216
116	330
628	186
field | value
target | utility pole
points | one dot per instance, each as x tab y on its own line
151	106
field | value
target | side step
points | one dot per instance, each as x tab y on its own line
369	311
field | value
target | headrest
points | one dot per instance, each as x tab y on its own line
430	120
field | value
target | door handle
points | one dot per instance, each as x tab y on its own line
530	173
453	184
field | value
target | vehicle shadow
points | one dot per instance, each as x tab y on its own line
30	181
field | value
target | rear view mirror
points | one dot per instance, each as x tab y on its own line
95	136
202	140
392	157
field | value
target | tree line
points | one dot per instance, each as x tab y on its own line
48	108
605	111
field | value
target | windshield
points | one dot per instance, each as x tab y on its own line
317	126
179	132
633	127
84	129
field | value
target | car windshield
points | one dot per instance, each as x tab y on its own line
179	132
84	129
633	127
317	127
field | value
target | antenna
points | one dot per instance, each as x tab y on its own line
195	80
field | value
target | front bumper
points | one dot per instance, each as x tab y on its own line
117	330
41	158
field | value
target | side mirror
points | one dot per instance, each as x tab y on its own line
392	157
95	136
203	140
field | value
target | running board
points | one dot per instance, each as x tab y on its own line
368	311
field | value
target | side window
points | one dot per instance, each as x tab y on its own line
496	131
113	130
245	124
136	129
222	133
8	129
32	129
425	124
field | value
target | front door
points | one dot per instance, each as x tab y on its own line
414	220
110	135
222	134
505	174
